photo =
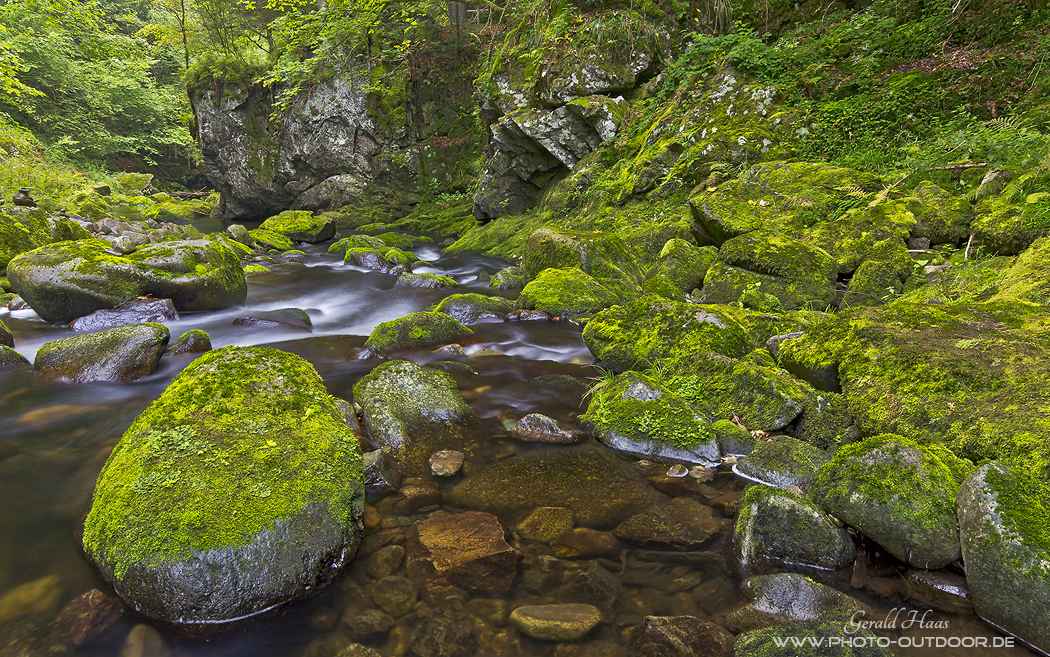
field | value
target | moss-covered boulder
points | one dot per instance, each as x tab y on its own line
422	329
939	216
783	461
799	275
357	242
563	292
1004	524
6	339
899	493
11	358
635	414
1028	279
72	279
780	641
601	255
270	239
511	278
778	529
424	281
472	308
653	328
415	411
880	278
21	230
762	396
684	264
1008	223
826	421
234	494
599	489
853	237
386	259
194	341
125	353
301	226
734	440
785	598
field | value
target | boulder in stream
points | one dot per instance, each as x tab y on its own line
786	598
125	353
191	342
282	318
468	550
6	339
11	358
782	461
136	311
237	492
301	226
422	329
471	308
424	281
68	280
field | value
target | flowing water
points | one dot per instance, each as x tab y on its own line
55	437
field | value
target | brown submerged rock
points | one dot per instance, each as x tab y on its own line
468	550
681	524
89	615
680	636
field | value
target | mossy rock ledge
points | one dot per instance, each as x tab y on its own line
899	493
234	494
1004	523
68	280
301	226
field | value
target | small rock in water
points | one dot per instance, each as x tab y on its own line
144	641
380	475
136	311
786	598
493	611
939	590
284	318
11	358
395	595
194	341
681	524
678	470
446	631
467	550
418	495
674	636
39	595
385	561
585	543
370	624
545	524
88	615
537	428
446	463
453	348
568	622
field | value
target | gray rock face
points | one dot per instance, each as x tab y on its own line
136	311
125	353
72	279
778	529
782	461
283	318
537	428
785	598
328	151
1002	523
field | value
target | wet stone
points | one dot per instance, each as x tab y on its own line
594	586
144	641
395	595
467	550
775	641
381	477
38	595
785	598
567	622
136	311
358	650
285	318
369	624
545	523
680	636
11	358
385	561
446	463
939	590
445	631
781	462
324	619
681	524
195	341
493	611
417	498
537	428
585	543
89	615
125	353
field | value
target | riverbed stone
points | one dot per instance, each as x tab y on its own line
260	418
684	264
369	624
422	329
470	308
600	490
511	278
538	428
783	461
899	493
381	475
776	641
446	462
282	318
125	353
144	641
468	550
1003	520
652	328
395	595
681	524
385	561
68	280
778	529
680	636
38	595
11	358
88	616
444	631
194	341
425	281
585	543
635	414
565	622
388	260
545	523
786	598
415	411
301	226
136	311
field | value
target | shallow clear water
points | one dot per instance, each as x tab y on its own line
55	437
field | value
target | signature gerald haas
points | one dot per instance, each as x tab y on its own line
897	618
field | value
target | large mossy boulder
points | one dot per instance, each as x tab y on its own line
125	353
939	216
471	308
564	292
797	274
72	279
1004	524
414	411
601	255
684	264
782	461
301	226
599	489
234	494
635	414
854	236
422	329
778	529
21	230
1008	223
652	328
899	493
1028	279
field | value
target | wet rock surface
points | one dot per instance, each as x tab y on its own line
786	598
680	636
468	550
567	622
681	524
126	353
136	311
538	428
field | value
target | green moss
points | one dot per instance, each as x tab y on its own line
428	281
469	308
21	230
856	236
563	292
651	328
1029	277
356	242
510	278
252	269
662	286
240	440
880	278
684	264
943	218
272	239
1008	223
601	255
1024	505
422	329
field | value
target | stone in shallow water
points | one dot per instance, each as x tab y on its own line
194	341
468	550
785	598
545	523
370	624
568	622
38	595
680	636
11	358
380	475
782	461
136	311
385	561
422	329
538	428
445	631
89	615
470	308
125	353
585	543
446	463
283	318
937	589
681	524
395	595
